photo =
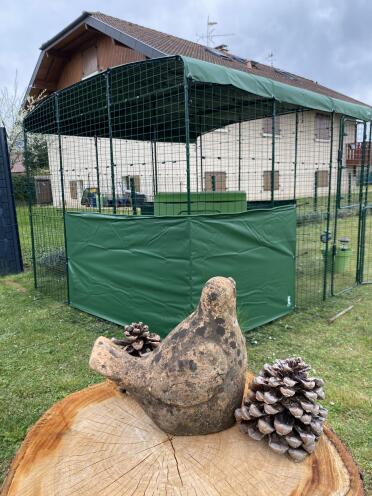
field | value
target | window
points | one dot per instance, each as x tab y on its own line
76	188
43	190
267	127
137	182
219	181
267	180
90	62
322	178
322	127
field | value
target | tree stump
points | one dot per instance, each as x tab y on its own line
99	441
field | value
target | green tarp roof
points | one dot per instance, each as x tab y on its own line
206	72
147	101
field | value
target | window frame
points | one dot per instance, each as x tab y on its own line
81	184
322	173
208	179
137	182
318	130
266	180
267	130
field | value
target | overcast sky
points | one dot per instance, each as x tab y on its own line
328	41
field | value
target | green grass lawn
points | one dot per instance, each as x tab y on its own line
45	346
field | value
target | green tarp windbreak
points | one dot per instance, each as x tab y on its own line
152	269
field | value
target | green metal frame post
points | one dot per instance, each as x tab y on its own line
361	223
365	205
201	164
97	174
273	131
152	169
338	197
29	201
187	140
349	182
295	157
316	180
154	138
154	163
368	164
328	223
196	166
339	162
109	121
58	122
133	195
213	179
239	154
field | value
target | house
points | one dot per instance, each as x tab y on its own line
95	42
18	167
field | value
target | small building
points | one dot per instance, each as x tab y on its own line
18	167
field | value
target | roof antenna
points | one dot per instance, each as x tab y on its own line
270	57
211	35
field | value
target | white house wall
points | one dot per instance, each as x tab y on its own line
220	153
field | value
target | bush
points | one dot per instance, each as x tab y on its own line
53	260
22	187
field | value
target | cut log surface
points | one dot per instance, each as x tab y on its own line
99	441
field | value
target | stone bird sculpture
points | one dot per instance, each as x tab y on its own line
193	382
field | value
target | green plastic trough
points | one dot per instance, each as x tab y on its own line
206	202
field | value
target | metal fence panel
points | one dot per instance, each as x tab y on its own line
10	253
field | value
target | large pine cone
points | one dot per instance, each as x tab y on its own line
281	405
138	340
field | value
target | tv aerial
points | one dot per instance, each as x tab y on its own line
209	37
270	57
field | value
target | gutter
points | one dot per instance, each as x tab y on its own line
65	30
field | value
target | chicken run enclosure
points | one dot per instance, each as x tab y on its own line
166	172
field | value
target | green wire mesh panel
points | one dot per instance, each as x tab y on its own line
367	267
173	137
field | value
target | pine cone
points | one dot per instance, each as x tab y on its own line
138	340
281	405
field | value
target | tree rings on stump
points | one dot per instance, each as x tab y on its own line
99	442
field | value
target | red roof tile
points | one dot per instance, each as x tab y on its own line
18	168
172	45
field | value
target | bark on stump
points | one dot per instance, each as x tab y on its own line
100	442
